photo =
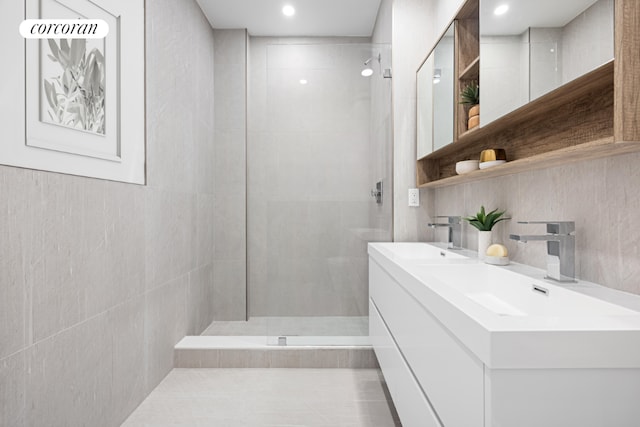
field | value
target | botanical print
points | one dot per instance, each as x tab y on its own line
75	87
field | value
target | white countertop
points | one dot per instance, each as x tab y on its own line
494	312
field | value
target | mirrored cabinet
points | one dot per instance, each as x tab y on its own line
534	47
435	97
559	81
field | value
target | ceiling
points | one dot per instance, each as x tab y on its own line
524	14
312	17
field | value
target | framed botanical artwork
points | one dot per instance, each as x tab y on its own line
85	98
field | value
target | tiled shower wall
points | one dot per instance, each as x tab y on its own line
230	175
309	203
100	279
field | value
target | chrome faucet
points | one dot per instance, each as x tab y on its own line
561	248
455	230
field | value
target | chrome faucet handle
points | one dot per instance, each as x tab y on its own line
455	219
555	227
455	230
561	248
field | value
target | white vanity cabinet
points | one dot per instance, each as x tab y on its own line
448	375
463	344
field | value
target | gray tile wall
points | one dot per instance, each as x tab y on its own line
230	172
100	279
602	196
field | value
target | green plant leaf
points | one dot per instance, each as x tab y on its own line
470	94
485	221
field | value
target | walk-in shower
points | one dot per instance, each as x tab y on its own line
318	141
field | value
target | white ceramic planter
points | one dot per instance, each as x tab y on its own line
484	241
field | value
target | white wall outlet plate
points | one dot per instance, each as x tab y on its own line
414	197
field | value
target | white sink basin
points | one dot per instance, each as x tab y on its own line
417	251
510	317
507	293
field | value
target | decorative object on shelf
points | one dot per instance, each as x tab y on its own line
497	255
485	222
470	95
466	166
492	157
487	165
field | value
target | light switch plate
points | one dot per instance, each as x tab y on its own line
414	197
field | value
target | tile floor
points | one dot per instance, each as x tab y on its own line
267	398
293	325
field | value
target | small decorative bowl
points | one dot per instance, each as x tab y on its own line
493	155
466	166
487	165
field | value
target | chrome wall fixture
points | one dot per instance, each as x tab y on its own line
367	71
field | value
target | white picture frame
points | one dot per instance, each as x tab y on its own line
109	144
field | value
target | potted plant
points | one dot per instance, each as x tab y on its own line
470	96
484	222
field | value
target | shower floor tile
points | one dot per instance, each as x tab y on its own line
293	325
267	398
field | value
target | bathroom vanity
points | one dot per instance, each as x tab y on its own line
465	344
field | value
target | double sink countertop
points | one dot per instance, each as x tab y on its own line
511	317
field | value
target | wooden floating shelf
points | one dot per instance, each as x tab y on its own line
574	121
467	132
472	72
586	151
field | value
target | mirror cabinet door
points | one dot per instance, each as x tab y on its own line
436	97
425	108
443	91
536	46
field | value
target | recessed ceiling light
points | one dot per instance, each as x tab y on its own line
367	72
288	10
501	10
303	81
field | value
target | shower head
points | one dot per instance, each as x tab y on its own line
367	71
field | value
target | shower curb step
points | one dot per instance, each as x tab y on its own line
205	352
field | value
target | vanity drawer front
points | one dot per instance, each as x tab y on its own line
413	408
452	378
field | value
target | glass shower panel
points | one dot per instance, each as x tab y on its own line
311	171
